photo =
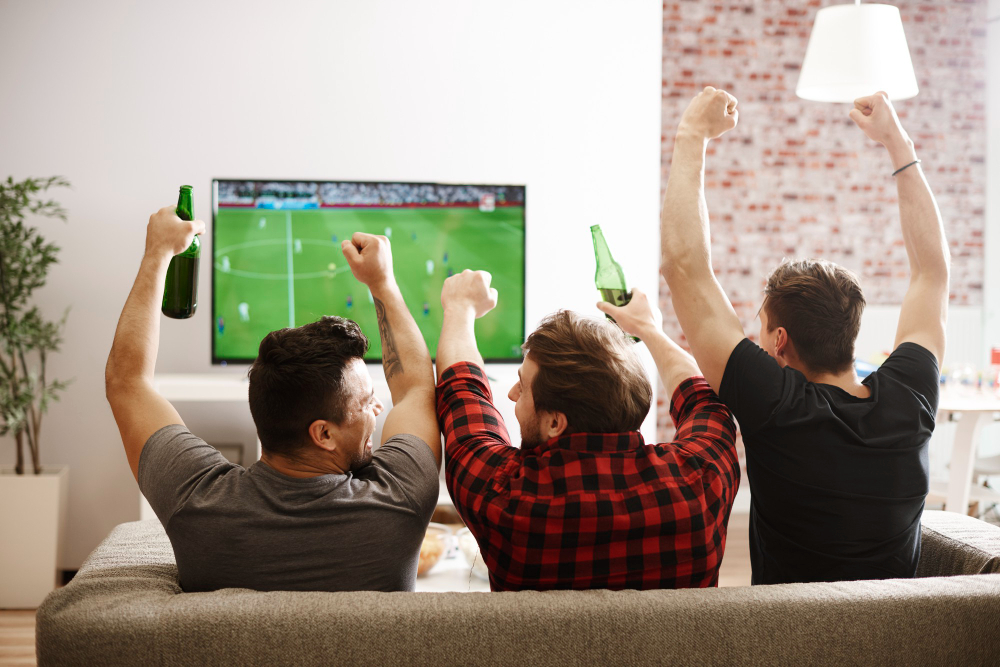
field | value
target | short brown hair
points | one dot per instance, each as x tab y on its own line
820	304
589	371
298	377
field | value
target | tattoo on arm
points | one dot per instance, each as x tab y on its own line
390	356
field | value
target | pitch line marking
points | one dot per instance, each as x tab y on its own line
291	269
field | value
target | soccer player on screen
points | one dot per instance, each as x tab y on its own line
837	466
322	510
584	502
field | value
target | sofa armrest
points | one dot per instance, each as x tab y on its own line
955	544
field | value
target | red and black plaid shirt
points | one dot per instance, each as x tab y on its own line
591	510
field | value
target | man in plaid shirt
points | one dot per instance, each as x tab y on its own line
584	502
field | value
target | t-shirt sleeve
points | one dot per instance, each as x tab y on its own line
916	367
411	465
705	426
754	385
174	464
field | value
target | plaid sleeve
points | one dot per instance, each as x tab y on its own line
476	444
705	427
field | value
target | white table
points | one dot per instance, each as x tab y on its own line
973	413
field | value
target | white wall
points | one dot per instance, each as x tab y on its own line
129	100
991	285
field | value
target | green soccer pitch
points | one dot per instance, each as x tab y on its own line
280	268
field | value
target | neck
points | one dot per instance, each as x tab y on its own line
847	380
300	467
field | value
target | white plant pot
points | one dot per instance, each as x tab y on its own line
32	523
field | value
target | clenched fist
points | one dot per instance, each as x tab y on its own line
877	119
469	290
167	235
711	114
370	259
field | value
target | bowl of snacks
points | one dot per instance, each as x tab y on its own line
433	547
470	549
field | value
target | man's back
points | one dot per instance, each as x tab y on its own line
587	510
257	528
837	482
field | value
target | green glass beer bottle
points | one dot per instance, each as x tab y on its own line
610	279
180	293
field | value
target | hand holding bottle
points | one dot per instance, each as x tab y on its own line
638	318
167	235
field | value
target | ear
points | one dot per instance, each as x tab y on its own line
780	342
321	434
553	424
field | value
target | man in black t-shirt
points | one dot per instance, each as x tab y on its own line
837	467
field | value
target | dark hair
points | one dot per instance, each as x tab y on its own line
297	378
820	304
589	371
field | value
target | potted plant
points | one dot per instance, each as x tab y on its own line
32	497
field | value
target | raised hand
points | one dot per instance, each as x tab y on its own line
370	259
878	120
469	290
710	114
637	318
168	235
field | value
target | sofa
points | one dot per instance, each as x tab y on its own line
125	607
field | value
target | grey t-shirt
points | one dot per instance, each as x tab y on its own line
235	527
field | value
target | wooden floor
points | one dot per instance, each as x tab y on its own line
17	637
17	628
735	570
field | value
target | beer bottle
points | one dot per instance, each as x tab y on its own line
180	294
610	279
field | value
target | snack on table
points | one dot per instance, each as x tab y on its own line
432	548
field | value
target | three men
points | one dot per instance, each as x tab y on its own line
837	467
584	502
320	511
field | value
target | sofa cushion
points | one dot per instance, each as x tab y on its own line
957	544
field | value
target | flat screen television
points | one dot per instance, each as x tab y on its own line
277	262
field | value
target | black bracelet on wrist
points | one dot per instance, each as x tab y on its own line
904	167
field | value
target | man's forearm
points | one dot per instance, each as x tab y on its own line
405	359
684	234
458	339
133	353
920	219
673	364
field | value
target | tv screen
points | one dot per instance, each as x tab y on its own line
277	260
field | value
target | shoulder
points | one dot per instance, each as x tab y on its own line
912	366
170	442
409	461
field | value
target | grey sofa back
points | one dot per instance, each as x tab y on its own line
125	607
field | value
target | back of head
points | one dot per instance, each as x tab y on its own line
819	304
589	371
297	378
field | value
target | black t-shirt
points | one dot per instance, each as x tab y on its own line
837	482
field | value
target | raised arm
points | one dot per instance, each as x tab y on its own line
702	308
640	318
128	377
924	314
465	297
405	359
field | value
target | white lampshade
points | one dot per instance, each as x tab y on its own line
856	50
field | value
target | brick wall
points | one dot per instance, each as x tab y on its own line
797	178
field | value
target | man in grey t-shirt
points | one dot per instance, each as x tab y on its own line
321	510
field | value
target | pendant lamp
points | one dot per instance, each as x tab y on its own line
856	50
